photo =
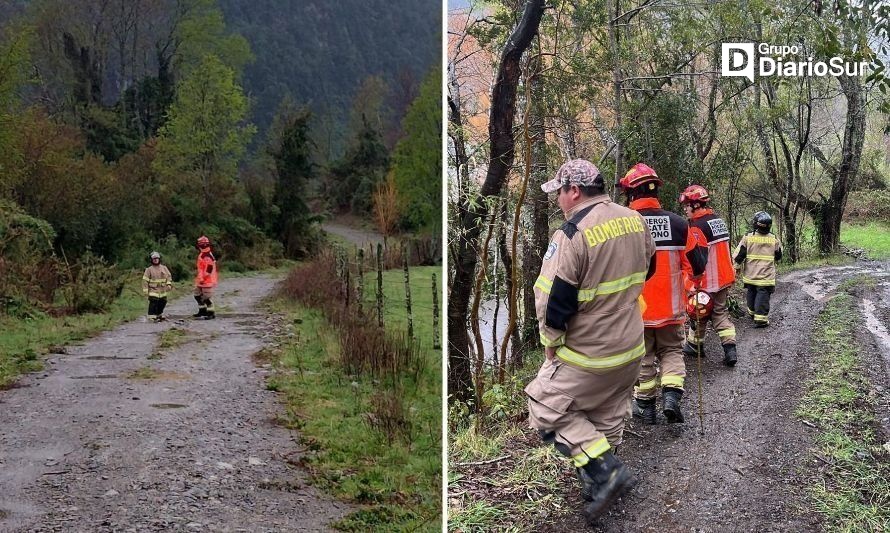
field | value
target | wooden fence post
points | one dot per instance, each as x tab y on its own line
408	299
361	278
436	343
380	284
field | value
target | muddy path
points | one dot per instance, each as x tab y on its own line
119	435
744	473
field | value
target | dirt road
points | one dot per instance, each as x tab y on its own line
113	438
744	472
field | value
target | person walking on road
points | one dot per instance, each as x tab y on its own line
587	301
206	279
680	255
756	257
719	273
156	284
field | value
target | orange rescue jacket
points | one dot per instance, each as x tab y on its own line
680	254
719	273
207	274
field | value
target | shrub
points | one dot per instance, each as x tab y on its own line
92	285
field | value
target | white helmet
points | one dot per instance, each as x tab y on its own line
155	255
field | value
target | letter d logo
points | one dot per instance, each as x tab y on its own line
737	59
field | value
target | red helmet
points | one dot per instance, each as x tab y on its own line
694	193
638	175
699	305
203	241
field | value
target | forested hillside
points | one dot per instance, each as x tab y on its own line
319	52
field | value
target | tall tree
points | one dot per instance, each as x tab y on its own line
417	168
503	108
203	140
292	153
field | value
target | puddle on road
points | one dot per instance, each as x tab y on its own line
96	376
821	283
104	358
168	405
876	327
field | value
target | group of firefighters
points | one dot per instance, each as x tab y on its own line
157	282
617	287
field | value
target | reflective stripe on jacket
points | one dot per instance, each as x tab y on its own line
719	273
758	257
157	281
207	275
592	274
664	293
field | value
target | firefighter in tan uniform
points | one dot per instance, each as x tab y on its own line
156	284
719	273
680	254
756	255
587	299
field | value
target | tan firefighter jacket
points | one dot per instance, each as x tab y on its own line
592	276
157	281
757	254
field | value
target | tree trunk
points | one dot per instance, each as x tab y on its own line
500	131
537	199
614	10
832	209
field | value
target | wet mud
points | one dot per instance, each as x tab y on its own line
743	469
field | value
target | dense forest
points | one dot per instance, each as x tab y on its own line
128	126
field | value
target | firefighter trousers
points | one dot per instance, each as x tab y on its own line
719	319
663	361
156	306
758	302
581	412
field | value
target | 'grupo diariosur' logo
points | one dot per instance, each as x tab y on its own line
738	59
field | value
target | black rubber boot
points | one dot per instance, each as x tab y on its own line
610	479
202	309
760	324
644	409
691	351
730	357
210	315
671	404
588	486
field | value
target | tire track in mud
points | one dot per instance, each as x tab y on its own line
109	438
744	472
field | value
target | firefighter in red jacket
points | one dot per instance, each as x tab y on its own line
719	273
205	280
679	254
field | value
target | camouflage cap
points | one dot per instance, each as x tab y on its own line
578	171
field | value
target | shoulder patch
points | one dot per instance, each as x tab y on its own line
551	250
570	229
718	227
659	227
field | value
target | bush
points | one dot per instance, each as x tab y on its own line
868	205
92	285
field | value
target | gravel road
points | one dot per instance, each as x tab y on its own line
112	438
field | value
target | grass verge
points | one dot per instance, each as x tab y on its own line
394	476
851	489
23	341
874	237
501	476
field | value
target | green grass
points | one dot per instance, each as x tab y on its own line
803	264
520	493
873	236
396	483
395	312
852	491
23	342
